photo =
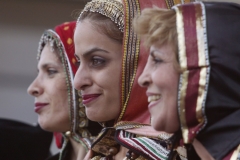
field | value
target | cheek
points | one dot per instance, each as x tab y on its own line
110	78
60	92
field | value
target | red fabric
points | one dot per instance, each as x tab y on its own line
189	19
150	4
58	139
66	32
137	109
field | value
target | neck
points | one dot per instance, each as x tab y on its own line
121	154
78	151
201	150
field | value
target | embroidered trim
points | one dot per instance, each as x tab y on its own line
130	53
128	125
171	3
200	68
148	147
109	8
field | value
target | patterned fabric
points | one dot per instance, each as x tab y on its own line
209	94
194	62
82	129
149	147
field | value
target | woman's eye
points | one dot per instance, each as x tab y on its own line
51	71
78	60
156	60
78	63
97	61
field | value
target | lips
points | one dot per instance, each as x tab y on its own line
153	99
87	98
39	106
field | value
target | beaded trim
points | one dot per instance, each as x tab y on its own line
171	3
109	8
128	125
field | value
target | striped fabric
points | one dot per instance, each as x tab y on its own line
194	62
152	149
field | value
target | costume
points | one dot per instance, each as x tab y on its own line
19	140
82	129
134	112
209	97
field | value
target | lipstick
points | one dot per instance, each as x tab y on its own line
87	98
39	106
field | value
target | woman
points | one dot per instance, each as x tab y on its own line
56	101
193	73
111	60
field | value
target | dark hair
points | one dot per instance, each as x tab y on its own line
103	25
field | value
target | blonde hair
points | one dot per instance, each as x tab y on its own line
157	26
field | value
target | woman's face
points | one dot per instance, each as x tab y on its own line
161	77
50	91
98	76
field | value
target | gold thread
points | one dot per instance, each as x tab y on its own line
124	57
184	76
202	63
109	8
125	101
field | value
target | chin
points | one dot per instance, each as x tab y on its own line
97	119
94	116
163	127
45	125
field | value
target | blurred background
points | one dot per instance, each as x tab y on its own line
22	22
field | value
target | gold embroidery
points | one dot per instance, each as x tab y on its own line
109	8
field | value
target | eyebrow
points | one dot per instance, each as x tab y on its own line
45	65
95	49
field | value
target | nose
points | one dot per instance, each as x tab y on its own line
144	80
35	88
82	78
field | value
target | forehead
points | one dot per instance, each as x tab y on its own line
49	55
164	50
87	36
83	28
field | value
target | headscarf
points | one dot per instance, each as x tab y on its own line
134	112
82	130
209	56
